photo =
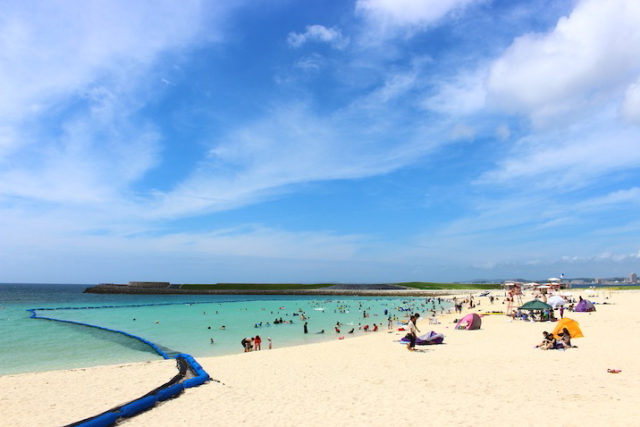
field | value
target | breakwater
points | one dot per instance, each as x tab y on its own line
337	290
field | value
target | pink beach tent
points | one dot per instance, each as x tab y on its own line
470	321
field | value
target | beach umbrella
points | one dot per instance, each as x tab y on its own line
535	304
556	301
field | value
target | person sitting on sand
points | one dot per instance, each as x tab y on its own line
375	327
548	342
565	339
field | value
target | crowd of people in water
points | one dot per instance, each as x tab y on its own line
300	316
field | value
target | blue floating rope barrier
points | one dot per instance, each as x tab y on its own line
148	401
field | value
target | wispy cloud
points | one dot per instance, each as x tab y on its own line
567	160
318	33
408	13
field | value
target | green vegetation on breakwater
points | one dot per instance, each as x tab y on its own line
449	286
299	286
254	286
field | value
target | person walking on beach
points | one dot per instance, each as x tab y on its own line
413	332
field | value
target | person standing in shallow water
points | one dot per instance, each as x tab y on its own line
256	342
305	328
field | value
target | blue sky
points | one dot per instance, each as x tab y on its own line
318	141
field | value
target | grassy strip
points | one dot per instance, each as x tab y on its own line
300	286
254	286
449	286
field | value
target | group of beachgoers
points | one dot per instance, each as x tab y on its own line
470	302
254	343
550	342
546	315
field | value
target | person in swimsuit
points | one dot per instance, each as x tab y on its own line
256	342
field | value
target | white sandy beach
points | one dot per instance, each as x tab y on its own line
490	377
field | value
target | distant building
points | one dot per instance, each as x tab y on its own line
633	278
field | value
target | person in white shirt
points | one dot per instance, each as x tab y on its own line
413	332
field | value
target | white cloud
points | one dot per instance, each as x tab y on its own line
461	131
630	195
72	77
408	13
460	95
311	62
68	44
567	161
588	59
264	158
503	132
630	108
318	33
394	86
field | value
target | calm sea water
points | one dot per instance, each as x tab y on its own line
178	323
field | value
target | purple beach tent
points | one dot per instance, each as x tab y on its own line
584	306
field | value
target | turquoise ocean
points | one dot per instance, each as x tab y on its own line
180	323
